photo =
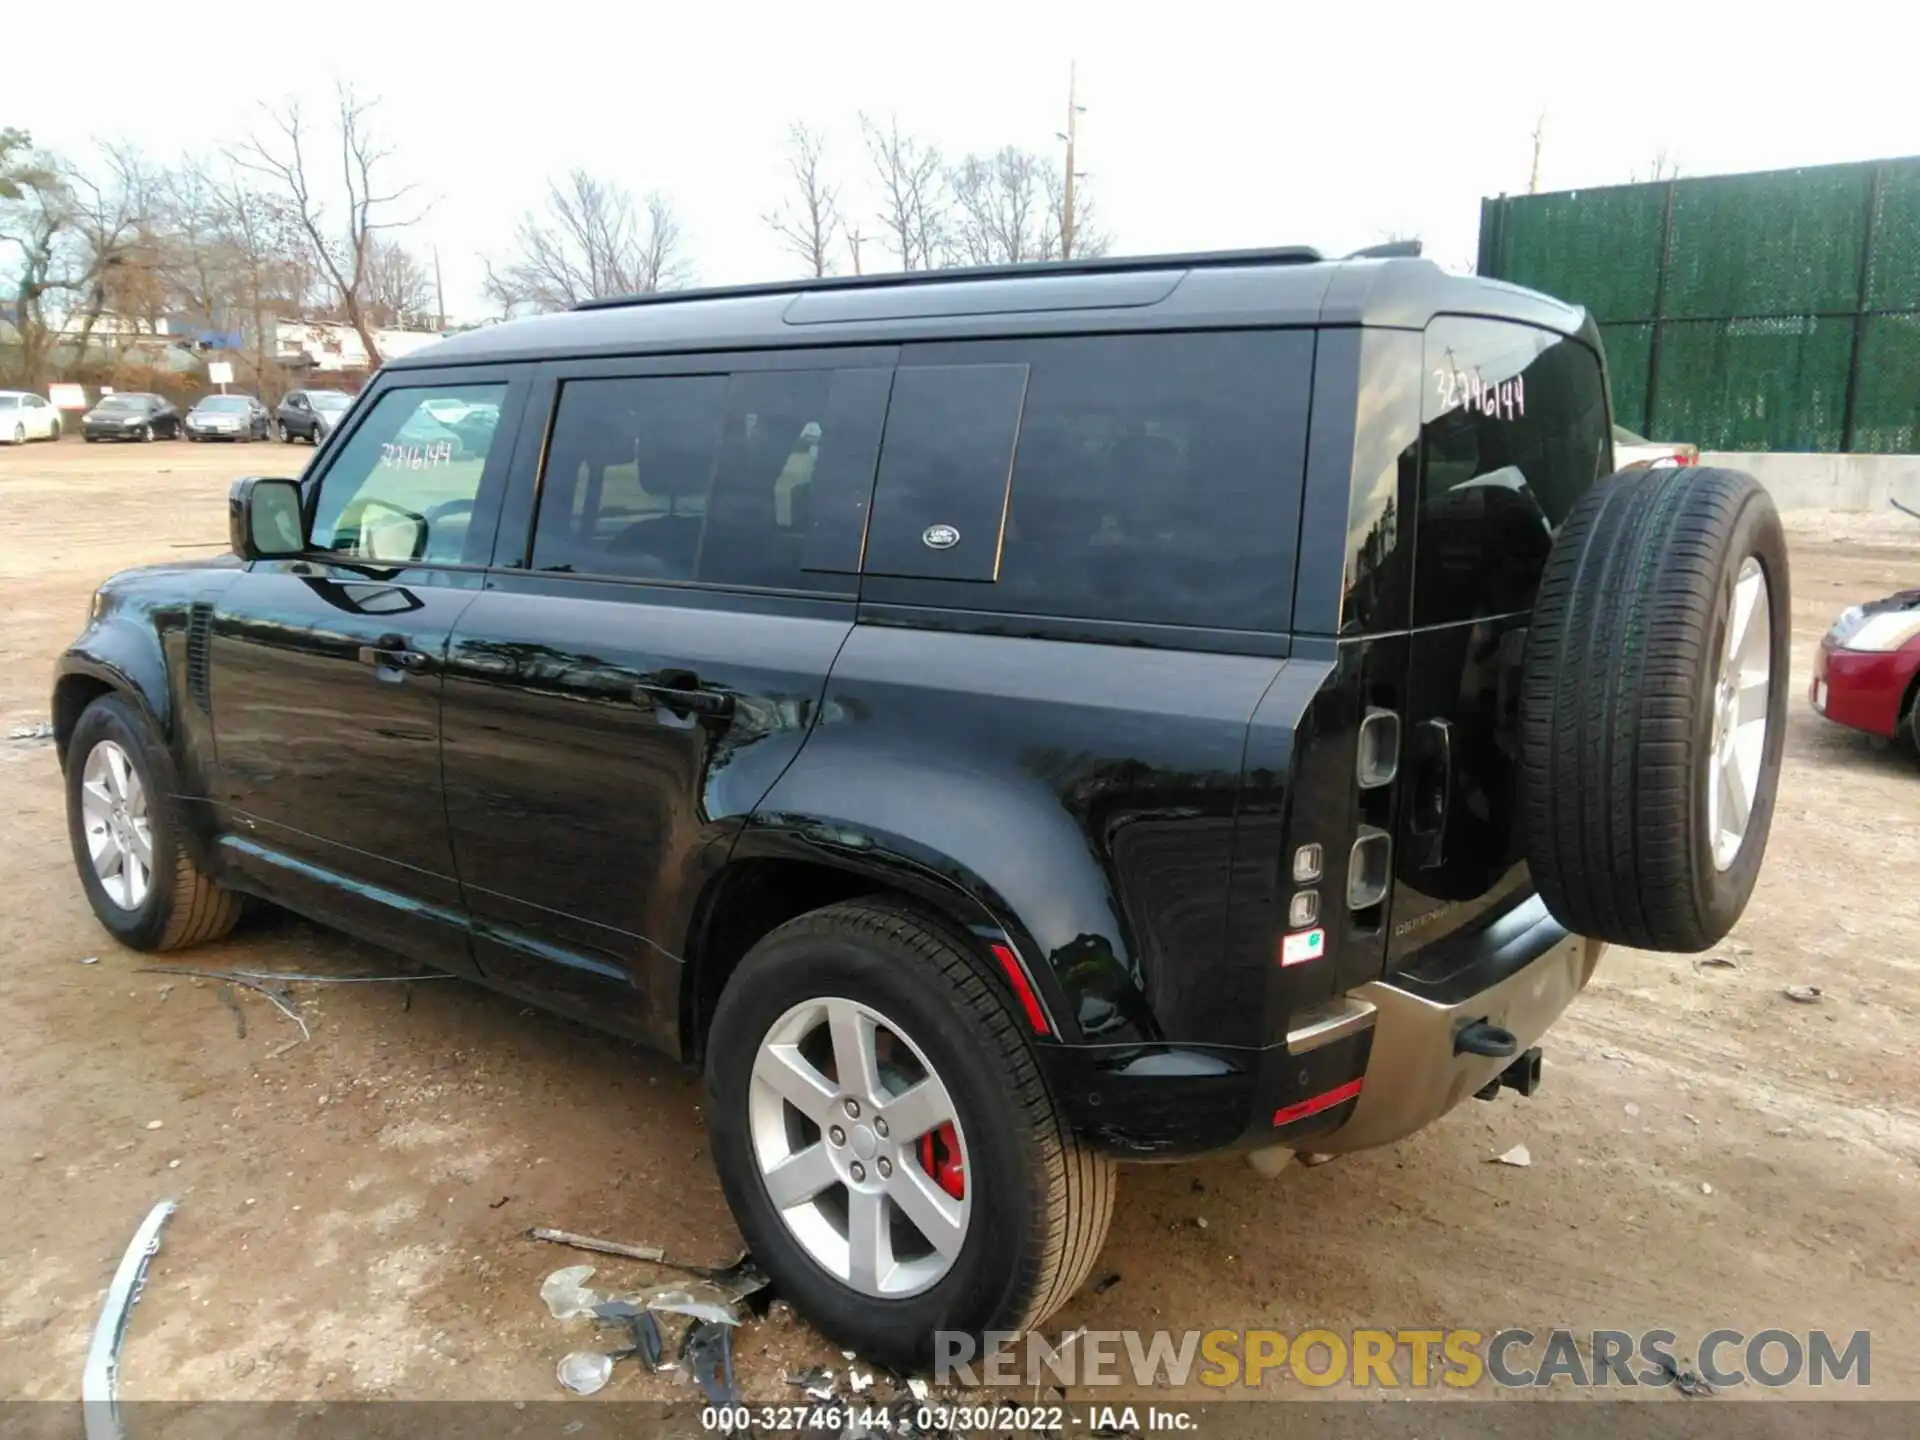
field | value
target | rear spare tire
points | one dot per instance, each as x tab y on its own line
1654	707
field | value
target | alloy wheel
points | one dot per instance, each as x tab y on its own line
860	1148
1740	697
113	812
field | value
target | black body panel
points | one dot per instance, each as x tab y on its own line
536	759
602	742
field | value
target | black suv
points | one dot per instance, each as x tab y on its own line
998	722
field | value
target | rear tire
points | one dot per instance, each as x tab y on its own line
178	905
19	434
1626	700
1037	1202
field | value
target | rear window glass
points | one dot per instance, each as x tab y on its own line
1154	478
1514	428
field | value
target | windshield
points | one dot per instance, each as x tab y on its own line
223	402
122	402
329	400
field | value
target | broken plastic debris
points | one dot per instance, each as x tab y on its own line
1803	994
817	1382
42	731
859	1382
1519	1155
701	1299
918	1387
708	1353
583	1371
566	1294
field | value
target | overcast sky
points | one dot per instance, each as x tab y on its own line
1206	126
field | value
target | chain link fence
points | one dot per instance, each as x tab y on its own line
1776	311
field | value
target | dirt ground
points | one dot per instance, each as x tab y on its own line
1705	1152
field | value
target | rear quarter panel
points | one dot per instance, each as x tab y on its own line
1082	796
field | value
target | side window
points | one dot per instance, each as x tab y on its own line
719	479
1513	430
628	469
404	486
1156	478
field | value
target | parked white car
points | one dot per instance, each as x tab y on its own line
25	416
1636	452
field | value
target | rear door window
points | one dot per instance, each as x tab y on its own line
1153	478
1514	428
759	479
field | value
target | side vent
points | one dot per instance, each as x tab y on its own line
199	629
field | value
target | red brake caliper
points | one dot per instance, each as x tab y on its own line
940	1158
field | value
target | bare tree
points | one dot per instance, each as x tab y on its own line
590	240
809	222
343	250
399	294
116	216
272	270
913	194
1003	208
1663	166
37	221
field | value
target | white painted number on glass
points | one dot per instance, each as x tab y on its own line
1463	389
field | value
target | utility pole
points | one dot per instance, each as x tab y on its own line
853	244
1539	135
439	295
1074	109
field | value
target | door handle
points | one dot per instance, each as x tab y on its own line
391	652
680	694
1432	795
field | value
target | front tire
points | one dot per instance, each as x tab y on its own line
19	434
864	1070
146	434
124	822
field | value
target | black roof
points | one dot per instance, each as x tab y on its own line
1225	289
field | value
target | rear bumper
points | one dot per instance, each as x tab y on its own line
1415	1077
1863	690
1371	1068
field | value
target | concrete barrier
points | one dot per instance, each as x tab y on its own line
1828	482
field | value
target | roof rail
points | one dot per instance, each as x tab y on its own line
1388	250
1103	265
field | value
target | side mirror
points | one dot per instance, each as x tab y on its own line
264	519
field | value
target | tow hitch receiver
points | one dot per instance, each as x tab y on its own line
1522	1075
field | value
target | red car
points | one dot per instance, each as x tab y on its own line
1868	670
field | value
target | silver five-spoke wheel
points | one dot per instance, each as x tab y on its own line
859	1147
113	809
1740	714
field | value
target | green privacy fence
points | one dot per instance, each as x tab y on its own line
1776	311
